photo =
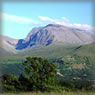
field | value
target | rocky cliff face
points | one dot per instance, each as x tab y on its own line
36	37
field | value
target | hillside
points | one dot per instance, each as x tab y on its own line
87	50
7	45
75	55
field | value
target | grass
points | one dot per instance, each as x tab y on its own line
87	50
12	64
52	51
51	93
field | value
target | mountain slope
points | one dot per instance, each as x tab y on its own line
42	38
86	50
7	45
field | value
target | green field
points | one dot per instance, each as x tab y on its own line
51	93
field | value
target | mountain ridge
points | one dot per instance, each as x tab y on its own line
54	32
46	35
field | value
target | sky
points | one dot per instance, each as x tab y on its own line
18	18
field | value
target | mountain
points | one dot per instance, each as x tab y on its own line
47	36
54	33
7	45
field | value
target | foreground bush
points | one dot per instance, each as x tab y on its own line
40	76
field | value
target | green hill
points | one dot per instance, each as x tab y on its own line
52	53
87	50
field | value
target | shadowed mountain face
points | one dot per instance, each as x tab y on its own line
38	36
44	36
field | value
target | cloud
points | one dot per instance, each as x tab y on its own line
18	19
82	26
66	22
48	20
45	20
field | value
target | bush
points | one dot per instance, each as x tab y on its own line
8	88
40	76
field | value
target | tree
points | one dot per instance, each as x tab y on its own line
41	72
9	82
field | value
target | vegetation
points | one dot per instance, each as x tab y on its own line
72	68
40	76
51	93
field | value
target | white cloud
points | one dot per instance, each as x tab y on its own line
82	26
44	21
65	21
18	19
45	18
48	20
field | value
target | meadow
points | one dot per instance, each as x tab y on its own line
51	93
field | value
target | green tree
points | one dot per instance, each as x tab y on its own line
24	83
41	73
9	82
